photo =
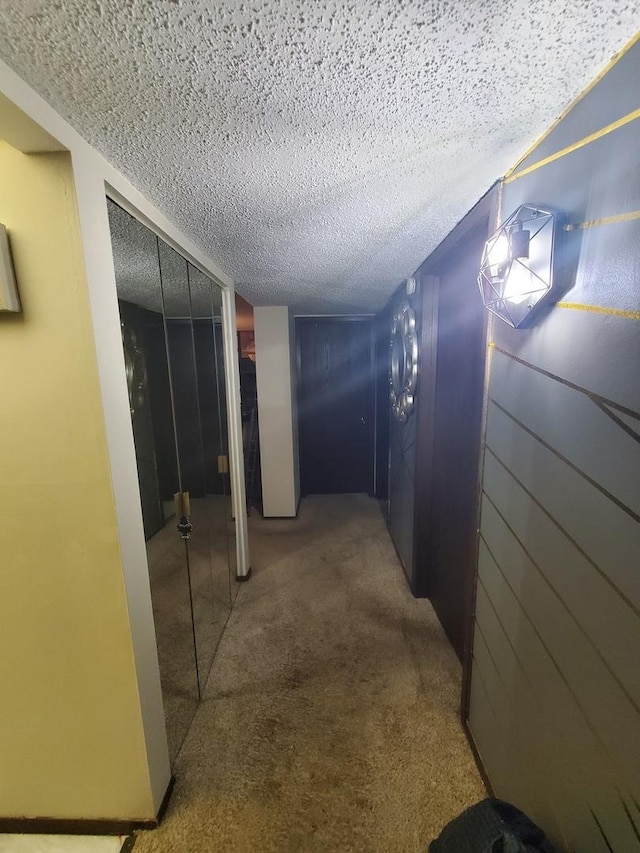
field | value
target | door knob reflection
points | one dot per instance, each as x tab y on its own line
182	505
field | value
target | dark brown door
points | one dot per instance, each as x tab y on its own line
335	405
445	568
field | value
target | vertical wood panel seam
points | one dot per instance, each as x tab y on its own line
618	421
620	504
478	671
629	815
543	794
502	628
596	398
570	613
565	533
617	770
601	830
493	661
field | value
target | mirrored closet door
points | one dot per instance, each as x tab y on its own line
206	302
171	334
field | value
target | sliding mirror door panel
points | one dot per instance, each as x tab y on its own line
135	254
171	317
210	510
186	405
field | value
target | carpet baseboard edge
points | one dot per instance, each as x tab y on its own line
478	760
83	826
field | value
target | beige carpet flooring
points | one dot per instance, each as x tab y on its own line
330	719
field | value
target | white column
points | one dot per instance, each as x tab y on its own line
275	375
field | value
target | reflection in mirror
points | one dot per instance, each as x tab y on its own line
186	395
135	255
209	367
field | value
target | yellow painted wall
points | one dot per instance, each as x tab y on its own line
71	738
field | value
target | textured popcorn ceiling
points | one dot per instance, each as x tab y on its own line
151	275
318	149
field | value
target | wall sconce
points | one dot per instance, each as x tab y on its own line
9	300
516	273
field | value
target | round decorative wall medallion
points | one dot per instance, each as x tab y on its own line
135	369
404	361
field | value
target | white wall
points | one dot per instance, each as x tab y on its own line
277	412
294	406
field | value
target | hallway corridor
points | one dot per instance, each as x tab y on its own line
330	719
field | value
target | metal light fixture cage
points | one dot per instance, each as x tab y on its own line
403	374
516	273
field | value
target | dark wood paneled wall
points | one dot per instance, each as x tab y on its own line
434	457
336	404
445	571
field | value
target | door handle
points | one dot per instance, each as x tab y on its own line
182	506
185	527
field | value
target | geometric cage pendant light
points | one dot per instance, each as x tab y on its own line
516	272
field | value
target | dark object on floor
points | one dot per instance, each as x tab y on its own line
491	826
